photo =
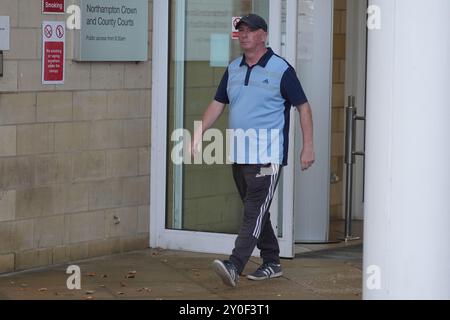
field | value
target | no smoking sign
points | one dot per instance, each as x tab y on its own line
234	31
53	52
48	31
60	31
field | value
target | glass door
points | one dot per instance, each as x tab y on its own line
200	197
202	209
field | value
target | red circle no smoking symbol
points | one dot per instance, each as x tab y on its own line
48	31
236	21
59	31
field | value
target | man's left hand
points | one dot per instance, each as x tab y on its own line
307	158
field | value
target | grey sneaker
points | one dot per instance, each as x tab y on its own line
227	271
266	271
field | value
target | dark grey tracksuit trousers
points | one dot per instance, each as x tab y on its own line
256	185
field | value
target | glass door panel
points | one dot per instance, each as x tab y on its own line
201	197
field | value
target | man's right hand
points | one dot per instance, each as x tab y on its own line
210	116
194	146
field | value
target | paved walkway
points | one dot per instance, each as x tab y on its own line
171	275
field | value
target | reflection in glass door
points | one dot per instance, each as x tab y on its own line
201	197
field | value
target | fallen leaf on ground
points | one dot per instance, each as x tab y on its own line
43	289
157	251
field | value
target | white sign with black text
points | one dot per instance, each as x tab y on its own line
4	33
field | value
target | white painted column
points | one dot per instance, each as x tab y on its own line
407	225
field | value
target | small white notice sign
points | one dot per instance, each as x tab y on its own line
4	33
234	30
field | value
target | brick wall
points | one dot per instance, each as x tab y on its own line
74	158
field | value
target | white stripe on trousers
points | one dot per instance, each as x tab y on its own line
263	210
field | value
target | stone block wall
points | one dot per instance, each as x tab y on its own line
74	158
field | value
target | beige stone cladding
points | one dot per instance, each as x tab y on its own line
74	158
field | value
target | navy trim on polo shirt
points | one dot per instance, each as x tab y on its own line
291	89
262	62
221	94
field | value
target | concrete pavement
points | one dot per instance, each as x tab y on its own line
171	275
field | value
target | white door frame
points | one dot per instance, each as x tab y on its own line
189	240
312	187
158	149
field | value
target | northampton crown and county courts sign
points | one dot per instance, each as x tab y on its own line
113	30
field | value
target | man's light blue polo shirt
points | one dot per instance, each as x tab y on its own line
260	98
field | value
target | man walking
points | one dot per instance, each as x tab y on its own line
260	88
